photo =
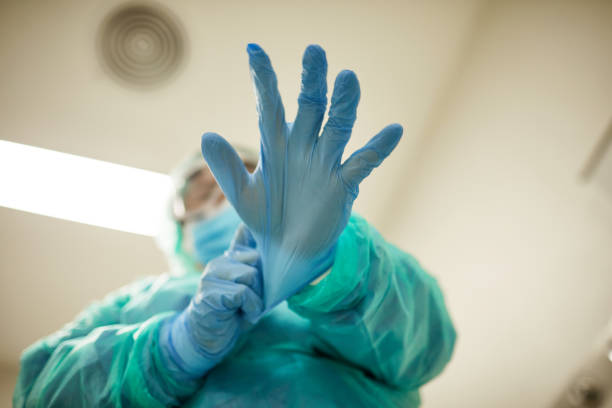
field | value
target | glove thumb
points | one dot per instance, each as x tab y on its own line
226	166
243	247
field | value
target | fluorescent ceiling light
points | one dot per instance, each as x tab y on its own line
80	189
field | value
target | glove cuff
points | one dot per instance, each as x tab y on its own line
346	283
288	267
181	347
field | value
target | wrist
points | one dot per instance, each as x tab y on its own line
346	282
322	264
183	349
289	271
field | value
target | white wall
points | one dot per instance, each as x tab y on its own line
495	209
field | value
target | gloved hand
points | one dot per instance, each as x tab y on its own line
299	199
227	303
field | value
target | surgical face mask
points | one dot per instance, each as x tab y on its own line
209	238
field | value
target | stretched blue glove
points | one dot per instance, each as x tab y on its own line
299	199
227	303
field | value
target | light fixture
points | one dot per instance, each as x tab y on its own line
81	189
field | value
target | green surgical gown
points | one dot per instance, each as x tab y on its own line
369	334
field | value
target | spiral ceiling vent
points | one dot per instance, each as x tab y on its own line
141	44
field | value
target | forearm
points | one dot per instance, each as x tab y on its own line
101	313
378	309
113	365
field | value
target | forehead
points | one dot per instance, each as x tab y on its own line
200	175
199	183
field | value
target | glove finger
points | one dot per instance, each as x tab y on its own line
220	295
360	164
313	95
252	305
250	277
245	255
227	168
227	269
242	248
243	238
342	115
269	104
208	315
235	296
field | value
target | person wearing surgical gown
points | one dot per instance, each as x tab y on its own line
279	295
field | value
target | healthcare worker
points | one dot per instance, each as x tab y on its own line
300	303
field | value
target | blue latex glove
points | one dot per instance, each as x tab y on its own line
299	199
227	303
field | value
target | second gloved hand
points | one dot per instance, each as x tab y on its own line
299	199
228	302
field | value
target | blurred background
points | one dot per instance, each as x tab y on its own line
501	187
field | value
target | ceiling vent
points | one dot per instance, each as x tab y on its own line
141	44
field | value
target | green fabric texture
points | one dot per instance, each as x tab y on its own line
369	334
379	309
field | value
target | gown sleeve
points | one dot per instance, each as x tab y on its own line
379	310
110	355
